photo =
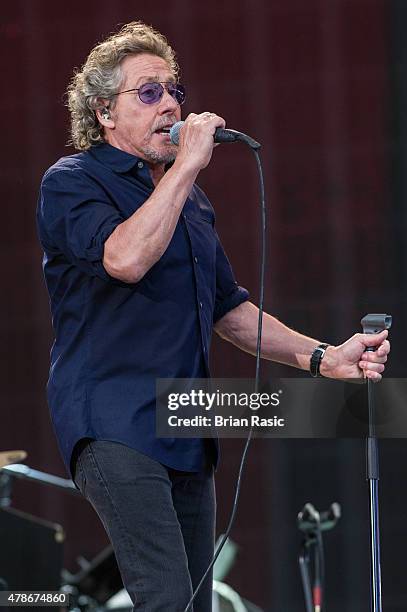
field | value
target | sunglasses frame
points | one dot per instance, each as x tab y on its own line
164	86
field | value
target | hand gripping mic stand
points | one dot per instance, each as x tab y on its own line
373	324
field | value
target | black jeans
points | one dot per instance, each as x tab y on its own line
160	522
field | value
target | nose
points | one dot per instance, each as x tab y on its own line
167	103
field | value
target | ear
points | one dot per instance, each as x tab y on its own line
104	115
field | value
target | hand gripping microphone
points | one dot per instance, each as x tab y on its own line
220	135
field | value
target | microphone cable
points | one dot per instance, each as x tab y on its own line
254	146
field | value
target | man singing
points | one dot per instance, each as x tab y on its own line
137	279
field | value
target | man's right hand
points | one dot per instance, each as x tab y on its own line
196	140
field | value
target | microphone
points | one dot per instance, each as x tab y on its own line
221	135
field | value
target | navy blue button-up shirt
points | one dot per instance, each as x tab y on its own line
113	339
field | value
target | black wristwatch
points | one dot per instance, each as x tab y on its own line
316	359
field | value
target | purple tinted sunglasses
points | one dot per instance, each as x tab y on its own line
150	93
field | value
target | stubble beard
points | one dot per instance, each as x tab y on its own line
165	156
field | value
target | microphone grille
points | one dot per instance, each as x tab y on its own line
174	132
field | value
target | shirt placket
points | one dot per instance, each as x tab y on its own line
198	278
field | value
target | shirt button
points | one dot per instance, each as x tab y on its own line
140	164
196	259
200	304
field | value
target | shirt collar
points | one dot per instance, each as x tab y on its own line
115	158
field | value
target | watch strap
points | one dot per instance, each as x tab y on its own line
316	358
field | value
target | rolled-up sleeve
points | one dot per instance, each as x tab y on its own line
228	293
75	218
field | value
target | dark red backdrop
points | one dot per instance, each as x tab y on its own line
313	82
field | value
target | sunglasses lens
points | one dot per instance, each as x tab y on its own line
177	91
150	93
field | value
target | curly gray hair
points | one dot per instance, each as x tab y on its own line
101	76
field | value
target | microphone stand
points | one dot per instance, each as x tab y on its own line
312	524
373	324
312	594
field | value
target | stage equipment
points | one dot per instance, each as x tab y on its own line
373	324
99	579
27	473
8	457
312	523
30	552
99	584
224	599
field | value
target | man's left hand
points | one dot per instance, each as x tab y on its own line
351	360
